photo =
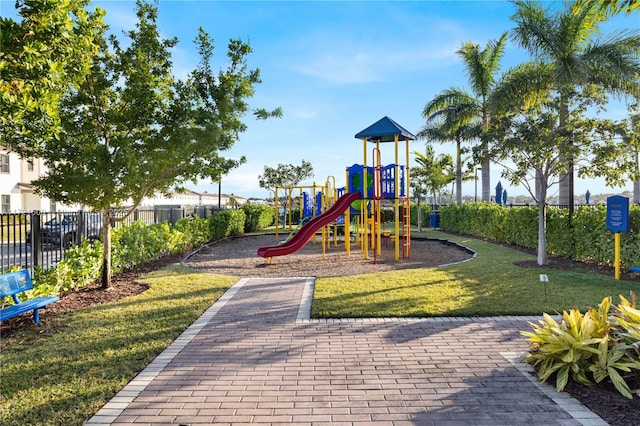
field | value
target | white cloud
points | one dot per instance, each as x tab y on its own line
350	60
303	113
346	68
121	15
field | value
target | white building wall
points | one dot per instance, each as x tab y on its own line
17	185
9	182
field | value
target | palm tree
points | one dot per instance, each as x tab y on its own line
482	67
616	6
569	53
452	116
433	173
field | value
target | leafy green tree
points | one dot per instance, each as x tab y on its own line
617	156
630	132
44	54
569	52
482	67
131	129
284	175
614	6
452	116
433	172
529	147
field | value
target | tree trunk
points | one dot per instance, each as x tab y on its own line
419	215
636	184
542	232
565	183
458	173
106	249
542	220
486	180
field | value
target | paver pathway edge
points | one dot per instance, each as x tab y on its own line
110	411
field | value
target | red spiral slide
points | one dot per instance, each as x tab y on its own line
301	238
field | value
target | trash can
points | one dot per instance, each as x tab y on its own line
434	219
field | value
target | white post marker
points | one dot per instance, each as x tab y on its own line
544	279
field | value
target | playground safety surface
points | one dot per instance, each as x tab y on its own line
256	357
237	257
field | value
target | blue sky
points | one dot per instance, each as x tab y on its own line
336	67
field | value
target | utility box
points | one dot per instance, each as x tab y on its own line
618	213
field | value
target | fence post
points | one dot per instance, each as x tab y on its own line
80	228
36	241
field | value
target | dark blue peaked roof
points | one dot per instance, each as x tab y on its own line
385	130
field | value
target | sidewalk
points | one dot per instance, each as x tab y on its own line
255	357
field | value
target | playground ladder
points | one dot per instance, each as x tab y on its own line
406	227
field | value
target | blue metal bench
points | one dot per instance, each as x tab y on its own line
13	283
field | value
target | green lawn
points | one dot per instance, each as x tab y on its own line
488	285
63	371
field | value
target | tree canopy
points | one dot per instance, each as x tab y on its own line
569	54
455	120
461	112
130	129
285	175
42	56
433	172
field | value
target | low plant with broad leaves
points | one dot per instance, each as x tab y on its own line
601	344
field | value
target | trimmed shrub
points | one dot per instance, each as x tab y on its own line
227	223
139	243
258	217
194	231
425	210
131	245
583	238
81	266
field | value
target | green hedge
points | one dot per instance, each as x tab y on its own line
585	238
258	217
132	245
227	223
425	210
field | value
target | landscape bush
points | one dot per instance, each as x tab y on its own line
589	348
227	223
257	217
132	245
425	210
193	232
583	237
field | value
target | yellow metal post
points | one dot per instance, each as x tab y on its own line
617	255
315	209
290	208
277	213
396	201
347	219
365	213
408	195
378	195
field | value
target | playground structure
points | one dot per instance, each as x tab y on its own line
367	190
390	183
310	206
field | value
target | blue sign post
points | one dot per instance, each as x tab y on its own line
617	221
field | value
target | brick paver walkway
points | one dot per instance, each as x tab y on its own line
255	357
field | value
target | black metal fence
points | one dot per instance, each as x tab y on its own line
31	239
